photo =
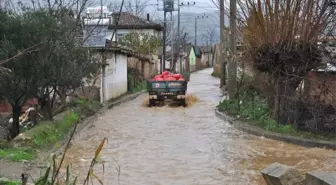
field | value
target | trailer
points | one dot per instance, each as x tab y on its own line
161	91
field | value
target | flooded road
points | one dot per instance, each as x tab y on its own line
184	146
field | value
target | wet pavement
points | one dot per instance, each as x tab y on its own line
184	146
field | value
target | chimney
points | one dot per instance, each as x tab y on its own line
148	17
115	17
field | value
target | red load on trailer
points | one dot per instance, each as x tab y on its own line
177	76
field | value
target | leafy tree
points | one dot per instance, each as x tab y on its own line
64	64
17	33
141	42
57	64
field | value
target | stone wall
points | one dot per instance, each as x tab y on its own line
280	174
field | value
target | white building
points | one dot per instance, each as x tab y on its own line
113	77
101	24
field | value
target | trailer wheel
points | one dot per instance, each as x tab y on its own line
151	103
183	103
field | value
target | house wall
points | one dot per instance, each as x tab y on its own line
114	82
6	108
198	63
192	60
127	31
178	65
216	64
206	59
155	67
146	68
159	64
321	87
186	71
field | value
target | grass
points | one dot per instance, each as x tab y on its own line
43	135
214	74
90	104
48	133
9	182
136	85
139	87
258	114
17	154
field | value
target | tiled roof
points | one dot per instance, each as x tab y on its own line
130	21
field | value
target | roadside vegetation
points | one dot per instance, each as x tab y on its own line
253	109
8	182
47	134
215	74
280	54
136	82
40	58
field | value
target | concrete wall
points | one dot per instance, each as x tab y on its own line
146	68
216	68
216	63
280	174
198	63
321	87
114	82
206	59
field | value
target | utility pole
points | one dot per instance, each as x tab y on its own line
163	66
195	31
232	68
172	66
196	18
222	46
136	7
208	51
178	36
179	30
168	7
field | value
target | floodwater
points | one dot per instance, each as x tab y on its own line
184	146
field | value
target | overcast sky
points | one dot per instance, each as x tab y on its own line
201	6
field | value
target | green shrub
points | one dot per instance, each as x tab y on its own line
47	132
135	84
17	154
254	108
214	74
10	182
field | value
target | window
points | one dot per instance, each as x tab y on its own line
120	36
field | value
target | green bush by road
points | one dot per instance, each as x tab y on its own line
43	135
255	111
214	74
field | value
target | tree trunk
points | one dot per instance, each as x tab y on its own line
62	96
16	123
49	110
277	100
46	108
63	99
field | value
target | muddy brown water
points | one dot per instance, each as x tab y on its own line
184	146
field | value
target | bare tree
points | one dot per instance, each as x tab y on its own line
209	35
282	37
